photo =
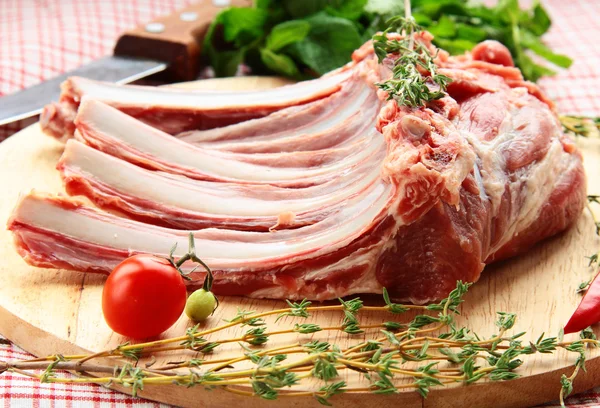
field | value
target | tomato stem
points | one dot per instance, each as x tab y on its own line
191	256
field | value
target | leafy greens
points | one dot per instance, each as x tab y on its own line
303	39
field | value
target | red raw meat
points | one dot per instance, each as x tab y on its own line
343	194
174	110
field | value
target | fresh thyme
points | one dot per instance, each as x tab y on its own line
581	125
131	353
241	316
588	339
583	286
593	259
415	80
50	371
594	199
296	309
350	323
429	350
393	307
256	336
329	391
307	328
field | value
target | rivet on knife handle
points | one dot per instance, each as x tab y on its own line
175	39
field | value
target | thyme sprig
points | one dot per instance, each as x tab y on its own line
581	125
594	258
415	80
428	349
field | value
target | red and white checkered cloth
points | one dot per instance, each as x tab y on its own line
42	38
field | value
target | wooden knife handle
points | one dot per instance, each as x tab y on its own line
175	39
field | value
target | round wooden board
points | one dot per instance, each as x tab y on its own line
57	311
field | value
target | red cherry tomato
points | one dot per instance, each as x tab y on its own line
143	296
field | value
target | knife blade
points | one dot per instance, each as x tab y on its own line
30	101
171	44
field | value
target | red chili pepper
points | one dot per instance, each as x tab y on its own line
588	311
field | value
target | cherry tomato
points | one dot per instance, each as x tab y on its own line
200	305
143	296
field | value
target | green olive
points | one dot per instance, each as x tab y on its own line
200	305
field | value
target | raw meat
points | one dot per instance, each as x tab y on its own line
175	110
312	128
179	202
111	131
318	261
411	199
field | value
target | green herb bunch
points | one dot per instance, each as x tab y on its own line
303	39
426	350
408	86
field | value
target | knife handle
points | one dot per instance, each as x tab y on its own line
175	39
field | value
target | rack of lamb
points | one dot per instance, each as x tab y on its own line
314	190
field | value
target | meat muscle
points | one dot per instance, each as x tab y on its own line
332	191
175	110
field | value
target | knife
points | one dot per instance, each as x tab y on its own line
171	44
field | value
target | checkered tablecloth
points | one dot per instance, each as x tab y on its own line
42	38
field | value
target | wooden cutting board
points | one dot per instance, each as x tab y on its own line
57	311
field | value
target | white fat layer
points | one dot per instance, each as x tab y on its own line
529	188
111	123
492	164
534	187
490	171
230	249
190	195
140	96
330	121
479	181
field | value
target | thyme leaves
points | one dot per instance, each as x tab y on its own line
429	350
415	79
